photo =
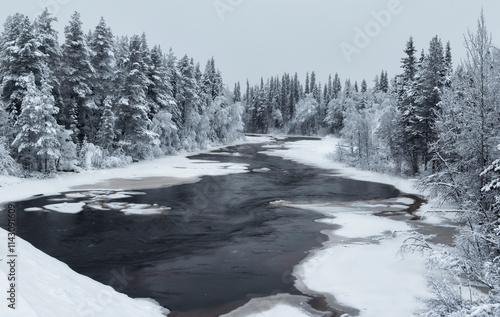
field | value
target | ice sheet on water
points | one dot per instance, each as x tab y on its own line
67	208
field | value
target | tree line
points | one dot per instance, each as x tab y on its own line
100	100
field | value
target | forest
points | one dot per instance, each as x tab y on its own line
99	100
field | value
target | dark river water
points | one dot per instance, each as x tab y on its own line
221	244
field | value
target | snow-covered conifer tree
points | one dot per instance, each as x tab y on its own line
77	75
104	64
133	121
37	144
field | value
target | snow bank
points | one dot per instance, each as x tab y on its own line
319	153
275	306
281	310
166	171
46	287
366	274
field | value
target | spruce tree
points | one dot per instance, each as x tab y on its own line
19	57
133	121
188	100
80	114
48	42
104	64
37	144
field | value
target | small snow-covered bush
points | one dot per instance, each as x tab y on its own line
92	156
8	166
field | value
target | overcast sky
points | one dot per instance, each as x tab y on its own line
254	38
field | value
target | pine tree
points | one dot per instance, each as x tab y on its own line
337	87
212	81
407	105
104	64
160	95
106	135
160	90
313	87
364	86
37	144
448	64
189	101
133	122
384	82
48	44
79	112
20	57
376	84
431	80
306	88
330	94
173	75
237	92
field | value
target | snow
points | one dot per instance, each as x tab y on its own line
34	209
281	310
366	225
367	275
47	287
261	170
143	209
275	306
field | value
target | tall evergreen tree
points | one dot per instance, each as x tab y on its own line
337	86
77	75
406	106
237	92
19	57
133	121
106	135
48	42
36	144
188	100
306	88
104	64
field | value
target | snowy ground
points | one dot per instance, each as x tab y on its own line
358	269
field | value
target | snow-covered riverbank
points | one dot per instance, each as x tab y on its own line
358	268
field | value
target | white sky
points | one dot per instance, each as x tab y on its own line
254	38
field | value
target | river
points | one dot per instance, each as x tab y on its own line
222	242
